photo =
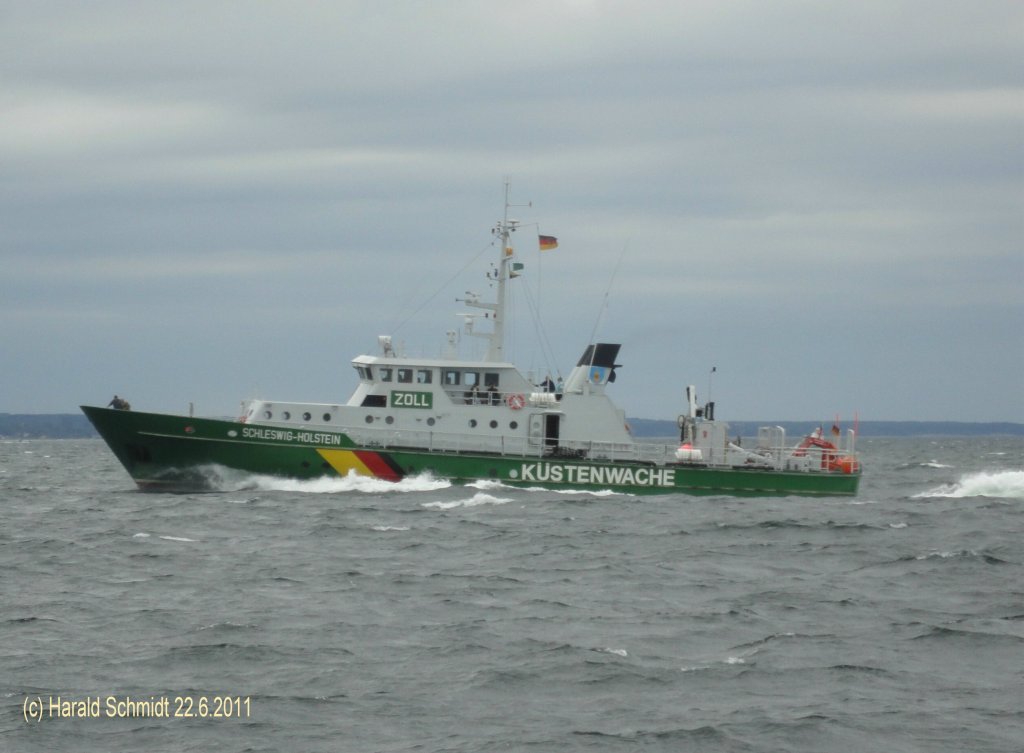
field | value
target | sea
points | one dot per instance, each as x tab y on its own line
358	615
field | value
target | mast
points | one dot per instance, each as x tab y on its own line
502	231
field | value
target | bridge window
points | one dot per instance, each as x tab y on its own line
405	376
424	376
386	374
451	378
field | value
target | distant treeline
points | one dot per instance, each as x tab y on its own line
45	426
75	425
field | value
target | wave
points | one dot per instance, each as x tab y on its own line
224	479
488	483
702	738
962	553
927	464
142	535
949	633
995	484
590	492
480	498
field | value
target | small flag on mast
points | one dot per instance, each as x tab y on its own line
547	242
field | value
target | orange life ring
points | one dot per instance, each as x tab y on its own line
515	402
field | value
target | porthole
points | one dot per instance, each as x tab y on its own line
494	424
431	422
327	417
369	419
306	416
514	425
268	415
286	415
389	420
472	423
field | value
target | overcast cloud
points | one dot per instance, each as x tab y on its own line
211	201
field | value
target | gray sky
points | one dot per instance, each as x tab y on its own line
211	201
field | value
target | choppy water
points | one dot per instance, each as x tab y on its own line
354	615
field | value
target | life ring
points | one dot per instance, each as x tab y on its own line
515	402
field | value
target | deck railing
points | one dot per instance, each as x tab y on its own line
658	453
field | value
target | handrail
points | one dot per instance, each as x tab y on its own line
658	453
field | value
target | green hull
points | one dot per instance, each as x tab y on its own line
179	453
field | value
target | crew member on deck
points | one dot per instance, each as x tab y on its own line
119	404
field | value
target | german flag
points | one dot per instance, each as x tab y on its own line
547	242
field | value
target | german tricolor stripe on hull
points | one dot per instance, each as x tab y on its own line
363	462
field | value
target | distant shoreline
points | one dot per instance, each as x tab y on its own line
77	426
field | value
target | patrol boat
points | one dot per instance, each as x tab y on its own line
472	420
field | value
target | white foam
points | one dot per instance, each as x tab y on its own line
477	499
617	651
997	484
390	528
591	492
934	554
352	482
488	483
141	535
